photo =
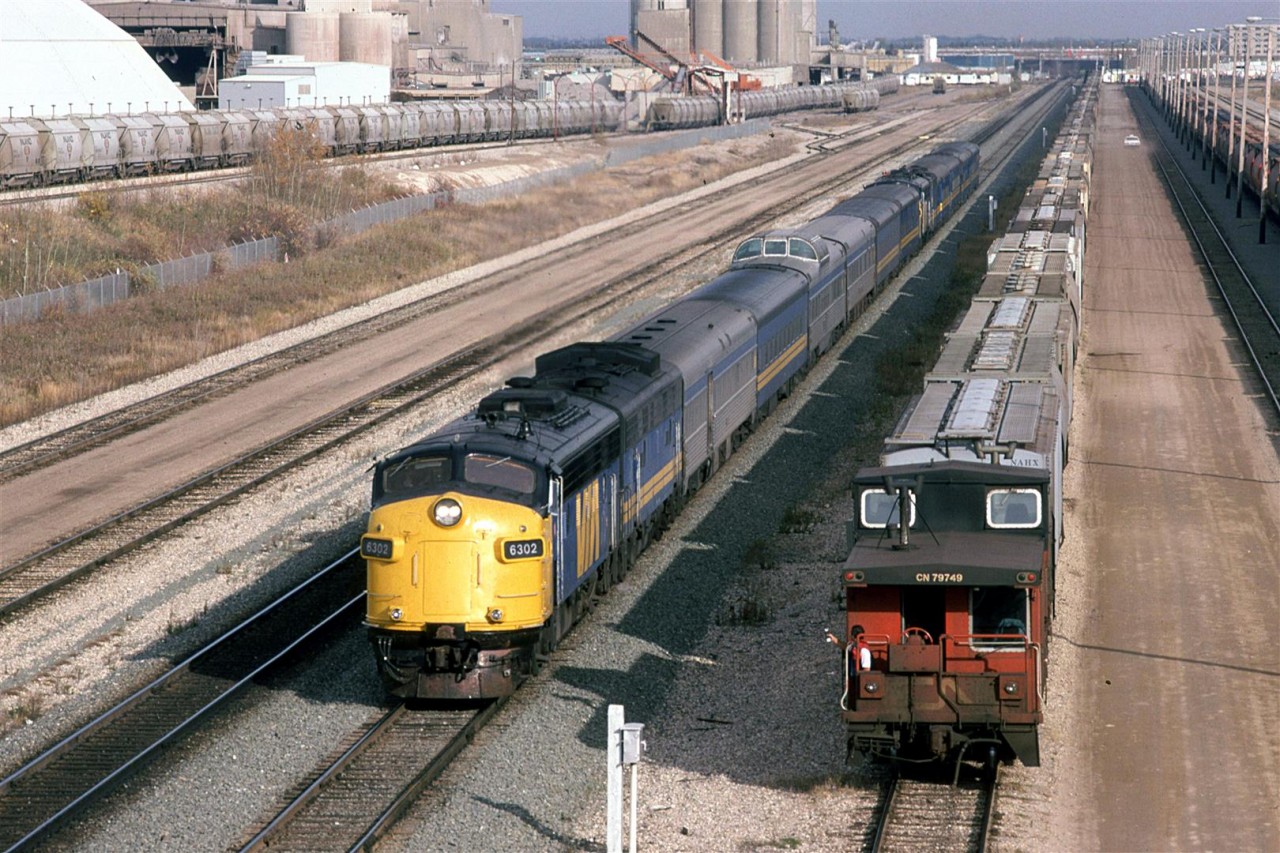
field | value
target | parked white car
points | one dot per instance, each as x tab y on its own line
1132	140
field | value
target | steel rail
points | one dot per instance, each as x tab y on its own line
953	807
1229	275
11	786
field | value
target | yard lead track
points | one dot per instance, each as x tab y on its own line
53	788
1257	327
371	780
75	556
916	815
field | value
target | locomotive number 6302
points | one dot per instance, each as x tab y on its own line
522	549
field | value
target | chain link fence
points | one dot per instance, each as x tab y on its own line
98	292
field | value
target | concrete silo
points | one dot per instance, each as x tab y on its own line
708	26
741	28
365	37
314	35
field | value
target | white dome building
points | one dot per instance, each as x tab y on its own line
60	57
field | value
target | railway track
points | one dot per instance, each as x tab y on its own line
1256	324
75	556
928	815
370	780
56	786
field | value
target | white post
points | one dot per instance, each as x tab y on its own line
613	753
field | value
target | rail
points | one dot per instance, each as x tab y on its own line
1257	327
40	796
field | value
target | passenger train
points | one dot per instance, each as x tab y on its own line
35	152
488	539
949	580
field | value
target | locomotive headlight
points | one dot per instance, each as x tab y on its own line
397	614
447	512
496	614
1011	687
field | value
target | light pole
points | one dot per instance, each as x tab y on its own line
1202	87
1217	90
1266	138
1244	119
1231	118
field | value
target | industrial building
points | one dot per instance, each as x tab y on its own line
60	57
298	83
197	43
742	32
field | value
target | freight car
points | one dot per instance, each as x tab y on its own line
949	578
488	539
36	152
698	110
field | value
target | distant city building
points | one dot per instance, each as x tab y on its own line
930	53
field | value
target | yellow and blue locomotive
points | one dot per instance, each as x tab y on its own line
487	540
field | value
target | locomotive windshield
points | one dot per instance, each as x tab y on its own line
415	475
502	472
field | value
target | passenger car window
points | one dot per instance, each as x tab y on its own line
802	249
749	249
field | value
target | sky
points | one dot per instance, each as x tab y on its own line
868	19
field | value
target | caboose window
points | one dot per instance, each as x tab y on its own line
749	249
1013	508
502	472
416	474
881	510
998	617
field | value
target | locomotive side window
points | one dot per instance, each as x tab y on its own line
1013	508
881	510
1001	611
505	473
416	473
749	249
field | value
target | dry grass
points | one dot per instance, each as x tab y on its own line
289	187
65	357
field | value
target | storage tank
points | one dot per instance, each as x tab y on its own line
768	29
708	26
740	30
365	37
314	35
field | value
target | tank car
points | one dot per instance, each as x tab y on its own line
487	540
